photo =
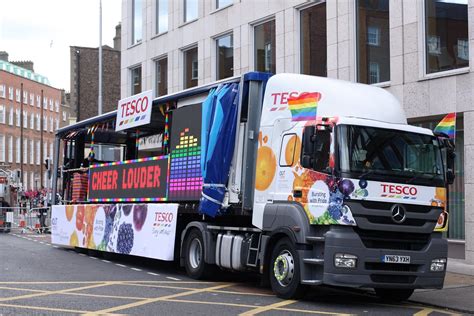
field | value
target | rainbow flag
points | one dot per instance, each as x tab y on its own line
303	107
447	126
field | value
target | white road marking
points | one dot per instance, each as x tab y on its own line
106	261
174	279
93	257
121	265
81	254
136	269
155	274
55	247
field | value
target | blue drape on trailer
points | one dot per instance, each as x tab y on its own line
219	123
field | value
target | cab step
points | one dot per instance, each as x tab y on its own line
311	282
314	239
313	261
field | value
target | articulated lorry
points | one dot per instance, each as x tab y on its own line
306	180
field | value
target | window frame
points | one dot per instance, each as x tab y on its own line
157	15
184	51
254	25
216	42
134	41
185	21
156	63
422	74
131	78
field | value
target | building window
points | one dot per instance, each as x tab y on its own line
32	99
2	148
137	21
45	103
374	73
45	151
64	116
18	151
38	152
38	122
25	119
51	124
161	16
161	76
45	123
56	106
225	56
190	10
136	80
32	152
446	33
373	46
10	149
25	97
2	114
313	40
32	180
10	117
191	67
18	95
38	101
18	117
264	42
223	3
2	91
25	151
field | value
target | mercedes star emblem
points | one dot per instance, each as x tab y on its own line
398	213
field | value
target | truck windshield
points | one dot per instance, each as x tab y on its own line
375	153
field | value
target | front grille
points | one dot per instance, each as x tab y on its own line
389	221
399	279
393	240
387	206
381	266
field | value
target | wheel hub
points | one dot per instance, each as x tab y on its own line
284	268
195	251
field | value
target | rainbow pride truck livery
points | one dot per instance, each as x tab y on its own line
306	180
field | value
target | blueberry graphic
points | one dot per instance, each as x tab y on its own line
125	239
346	187
363	183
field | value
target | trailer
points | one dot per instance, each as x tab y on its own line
305	180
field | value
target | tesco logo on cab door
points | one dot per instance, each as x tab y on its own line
134	111
398	189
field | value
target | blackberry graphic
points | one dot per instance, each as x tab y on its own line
335	205
125	239
127	208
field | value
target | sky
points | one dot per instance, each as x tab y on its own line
43	30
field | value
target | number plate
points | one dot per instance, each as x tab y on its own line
396	259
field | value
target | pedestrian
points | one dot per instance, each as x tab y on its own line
4	208
42	213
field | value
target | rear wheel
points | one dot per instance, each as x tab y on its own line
285	270
194	256
394	295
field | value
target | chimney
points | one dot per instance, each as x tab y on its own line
3	56
27	64
118	37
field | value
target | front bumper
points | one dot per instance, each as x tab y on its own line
371	272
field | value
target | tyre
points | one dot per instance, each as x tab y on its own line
394	295
194	263
285	271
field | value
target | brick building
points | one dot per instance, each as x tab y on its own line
85	78
38	116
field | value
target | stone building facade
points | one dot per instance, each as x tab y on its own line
416	49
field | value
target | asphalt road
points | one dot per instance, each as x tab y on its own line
37	278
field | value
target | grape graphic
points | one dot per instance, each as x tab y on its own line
335	205
139	216
126	208
125	239
363	183
346	187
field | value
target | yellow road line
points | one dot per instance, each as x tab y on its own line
266	308
296	310
95	282
188	288
21	289
44	308
424	312
157	299
55	292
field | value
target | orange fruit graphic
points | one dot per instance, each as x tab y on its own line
293	150
74	241
69	212
266	168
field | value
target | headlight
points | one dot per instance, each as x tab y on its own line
438	265
344	260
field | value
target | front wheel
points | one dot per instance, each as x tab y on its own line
285	271
194	262
394	295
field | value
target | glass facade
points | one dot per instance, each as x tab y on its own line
161	16
446	35
161	76
137	22
136	80
190	67
264	43
225	56
313	40
223	3
373	41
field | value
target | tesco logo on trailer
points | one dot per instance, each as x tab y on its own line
134	111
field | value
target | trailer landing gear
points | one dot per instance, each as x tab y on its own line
285	270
